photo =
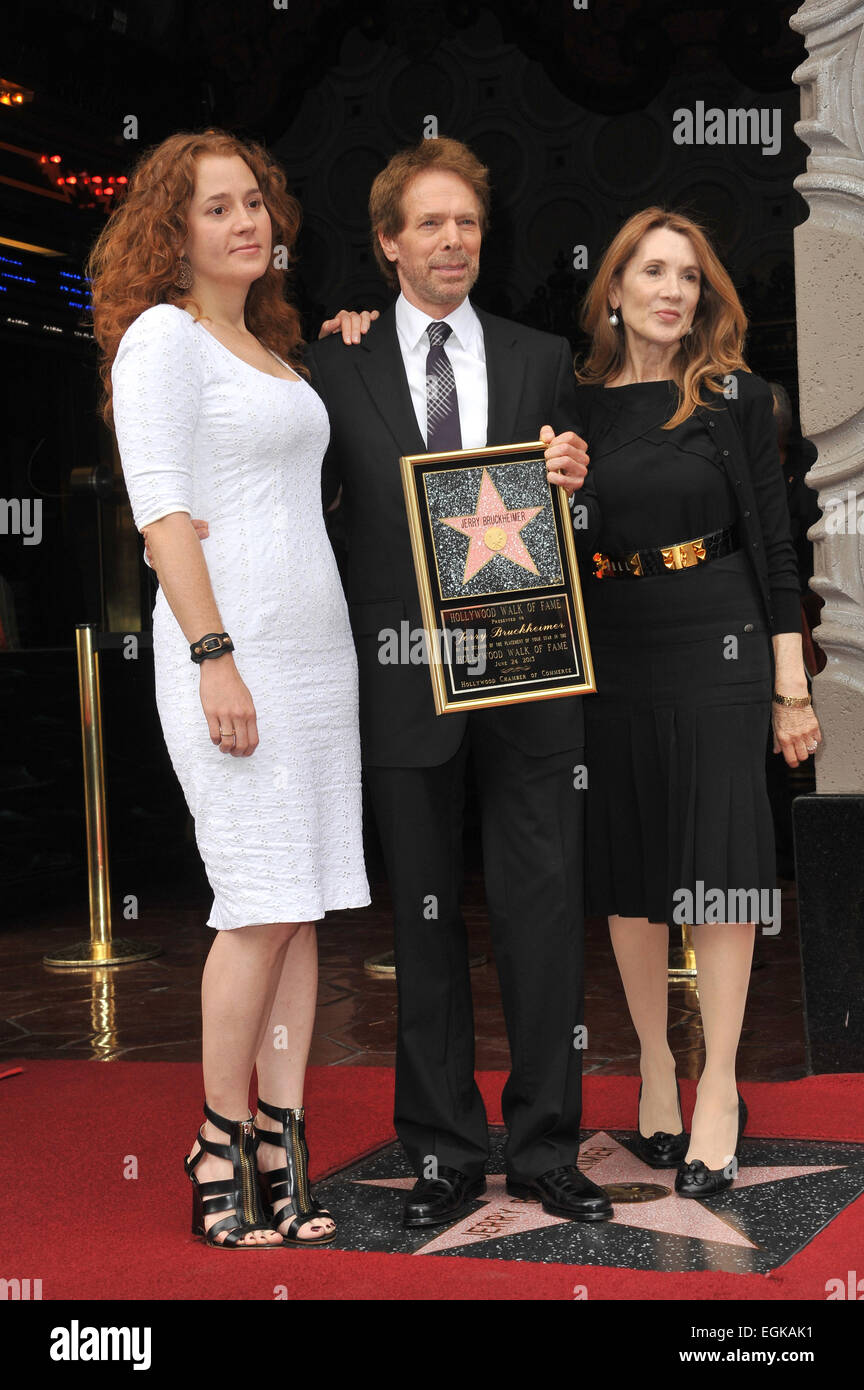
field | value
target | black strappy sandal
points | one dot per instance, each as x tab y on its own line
292	1181
239	1193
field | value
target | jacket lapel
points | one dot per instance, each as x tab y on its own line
379	363
380	366
505	370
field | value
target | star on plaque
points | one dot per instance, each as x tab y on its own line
606	1162
491	529
786	1192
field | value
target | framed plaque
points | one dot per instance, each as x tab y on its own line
498	579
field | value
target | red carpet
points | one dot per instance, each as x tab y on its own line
73	1220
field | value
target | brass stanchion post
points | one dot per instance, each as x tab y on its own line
682	959
100	949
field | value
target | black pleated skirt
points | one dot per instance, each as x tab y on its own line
676	742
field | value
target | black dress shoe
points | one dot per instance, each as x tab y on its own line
693	1179
435	1201
565	1192
661	1150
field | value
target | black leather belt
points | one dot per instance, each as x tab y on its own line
663	559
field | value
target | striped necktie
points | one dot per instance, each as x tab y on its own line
442	405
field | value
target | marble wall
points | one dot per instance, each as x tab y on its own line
829	280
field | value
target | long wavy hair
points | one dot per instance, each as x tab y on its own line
707	353
133	262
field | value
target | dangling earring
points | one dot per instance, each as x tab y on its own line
613	319
183	278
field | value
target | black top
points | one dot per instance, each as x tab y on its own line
653	486
741	433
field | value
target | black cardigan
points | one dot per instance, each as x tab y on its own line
746	435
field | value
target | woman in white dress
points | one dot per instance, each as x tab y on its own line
255	671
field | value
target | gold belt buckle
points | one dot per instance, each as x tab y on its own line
603	565
684	555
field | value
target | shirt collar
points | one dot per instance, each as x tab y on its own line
411	325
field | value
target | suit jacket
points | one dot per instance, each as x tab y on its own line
372	422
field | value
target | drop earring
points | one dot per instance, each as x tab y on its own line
183	278
613	319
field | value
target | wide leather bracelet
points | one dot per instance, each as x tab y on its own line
792	701
212	644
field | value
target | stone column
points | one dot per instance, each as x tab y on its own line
829	281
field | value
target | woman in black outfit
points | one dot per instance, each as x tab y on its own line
691	579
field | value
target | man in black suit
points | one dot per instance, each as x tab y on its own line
433	373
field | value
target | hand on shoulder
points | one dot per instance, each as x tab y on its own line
351	324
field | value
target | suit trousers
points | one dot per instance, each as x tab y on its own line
532	819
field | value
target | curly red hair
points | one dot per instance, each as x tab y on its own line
134	260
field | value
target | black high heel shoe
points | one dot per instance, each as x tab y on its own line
661	1150
238	1193
292	1181
693	1179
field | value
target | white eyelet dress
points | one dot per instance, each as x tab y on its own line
200	431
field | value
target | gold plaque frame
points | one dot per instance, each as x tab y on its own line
563	597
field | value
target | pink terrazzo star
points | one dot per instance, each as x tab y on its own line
493	530
606	1162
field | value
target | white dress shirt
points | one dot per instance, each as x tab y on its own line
467	353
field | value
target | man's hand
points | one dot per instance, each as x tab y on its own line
350	323
202	531
566	458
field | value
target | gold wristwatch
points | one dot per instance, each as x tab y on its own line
792	701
